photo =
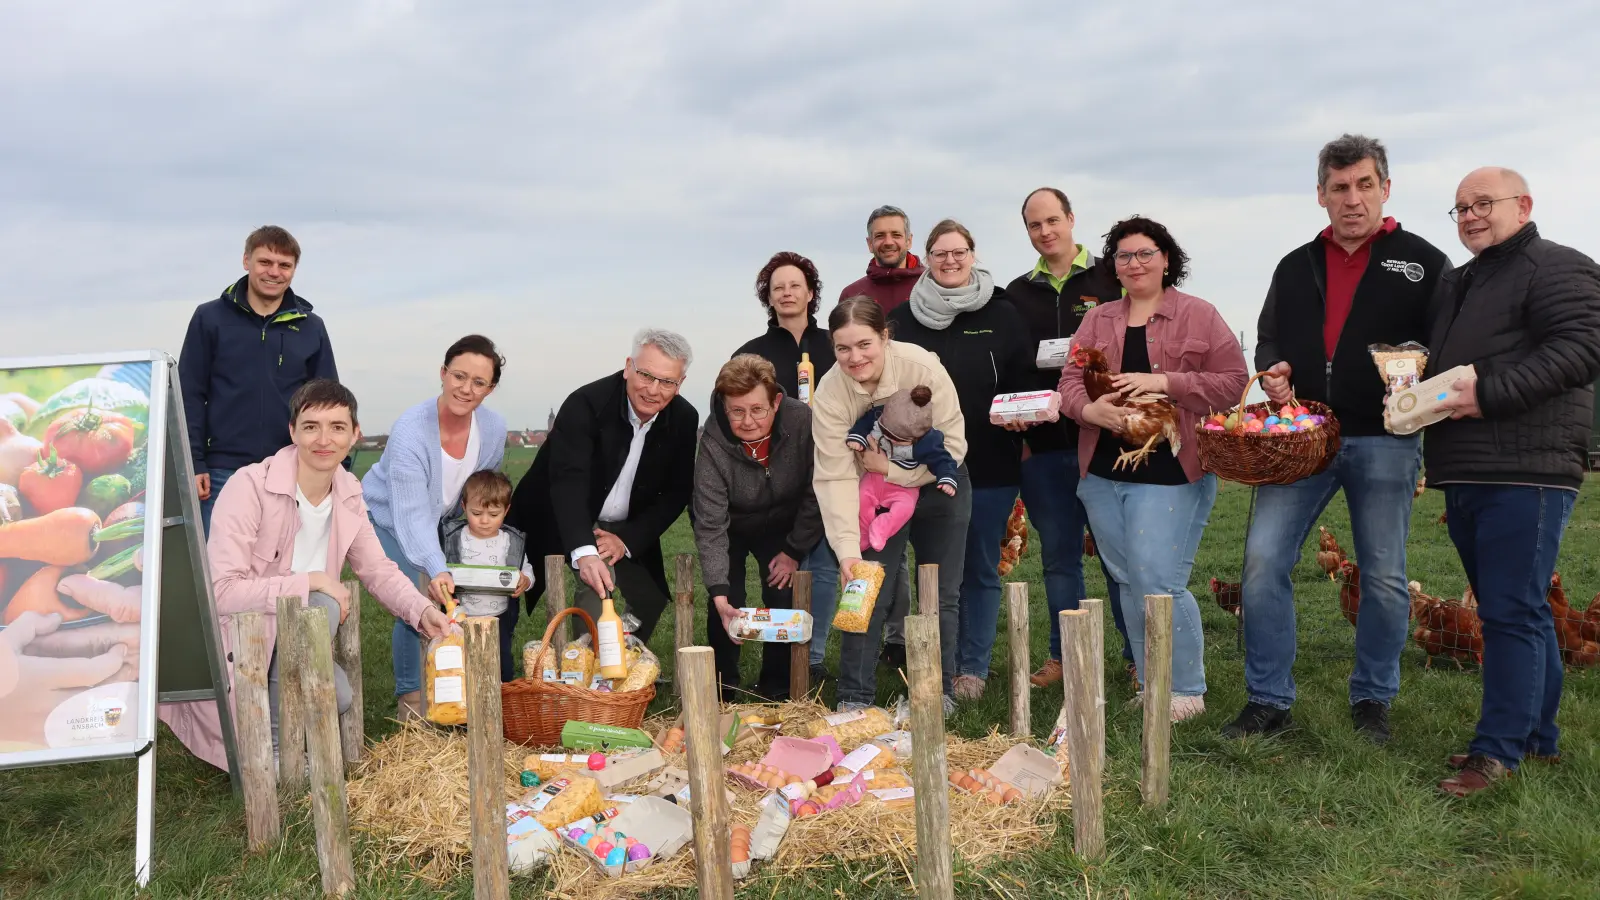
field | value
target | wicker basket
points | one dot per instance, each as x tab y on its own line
1262	458
534	710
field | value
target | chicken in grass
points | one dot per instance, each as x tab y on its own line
1329	554
1152	418
1089	549
1450	629
1349	590
1229	596
1591	620
1576	650
1419	600
1015	541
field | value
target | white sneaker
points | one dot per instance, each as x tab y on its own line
1188	707
949	706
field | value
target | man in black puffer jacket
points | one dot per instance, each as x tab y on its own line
1525	314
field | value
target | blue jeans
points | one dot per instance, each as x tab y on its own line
980	581
1050	492
1147	535
1379	476
219	477
824	570
405	644
1508	537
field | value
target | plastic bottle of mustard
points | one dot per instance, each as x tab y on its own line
609	629
808	372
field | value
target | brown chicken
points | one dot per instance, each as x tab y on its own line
1591	620
1015	542
1152	418
1452	629
1419	600
1349	590
1576	650
1229	596
1089	549
1329	554
1422	485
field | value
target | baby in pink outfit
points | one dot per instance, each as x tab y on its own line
903	429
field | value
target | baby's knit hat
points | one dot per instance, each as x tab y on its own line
906	415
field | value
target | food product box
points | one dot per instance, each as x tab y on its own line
1052	353
485	579
577	735
1027	406
662	826
672	784
1411	409
793	756
529	844
627	768
1028	770
776	626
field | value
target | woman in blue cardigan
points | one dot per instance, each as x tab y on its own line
432	449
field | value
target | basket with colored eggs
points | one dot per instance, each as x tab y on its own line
1264	443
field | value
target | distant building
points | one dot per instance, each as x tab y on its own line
373	442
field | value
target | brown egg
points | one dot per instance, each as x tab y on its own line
792	779
1012	795
994	798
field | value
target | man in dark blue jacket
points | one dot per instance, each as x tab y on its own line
245	355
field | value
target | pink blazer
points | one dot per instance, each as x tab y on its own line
1189	343
251	548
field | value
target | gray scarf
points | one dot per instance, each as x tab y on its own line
937	306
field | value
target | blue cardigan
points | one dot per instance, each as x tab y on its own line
403	489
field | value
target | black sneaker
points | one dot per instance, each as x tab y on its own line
1258	718
1371	719
893	656
819	674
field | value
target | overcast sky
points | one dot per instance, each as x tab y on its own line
558	174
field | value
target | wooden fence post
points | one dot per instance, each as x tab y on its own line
422	652
291	703
555	600
486	761
1095	607
682	607
1156	772
1017	635
1086	734
697	683
929	771
800	654
927	589
253	720
330	813
347	655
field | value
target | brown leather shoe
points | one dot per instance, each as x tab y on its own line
1048	674
408	707
1476	774
1457	760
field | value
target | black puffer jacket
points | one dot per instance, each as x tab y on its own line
734	492
1526	314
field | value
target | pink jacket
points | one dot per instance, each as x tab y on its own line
1189	343
251	547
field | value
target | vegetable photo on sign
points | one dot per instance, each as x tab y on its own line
72	474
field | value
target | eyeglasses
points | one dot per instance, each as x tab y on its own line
462	379
1125	258
755	414
1480	208
649	379
959	255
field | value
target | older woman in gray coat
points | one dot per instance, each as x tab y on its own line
752	497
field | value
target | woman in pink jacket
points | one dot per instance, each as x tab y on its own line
286	526
1147	520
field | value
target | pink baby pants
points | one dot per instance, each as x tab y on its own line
897	501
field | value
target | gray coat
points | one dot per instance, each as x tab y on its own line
733	492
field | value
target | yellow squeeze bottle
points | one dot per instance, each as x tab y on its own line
609	650
807	374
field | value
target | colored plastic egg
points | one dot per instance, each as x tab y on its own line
529	779
603	848
638	852
597	761
616	857
577	835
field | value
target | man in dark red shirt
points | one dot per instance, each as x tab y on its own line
1363	281
893	268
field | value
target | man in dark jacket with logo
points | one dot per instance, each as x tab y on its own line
894	269
1524	313
613	475
1065	284
244	356
1363	281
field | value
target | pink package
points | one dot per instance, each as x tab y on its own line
1027	406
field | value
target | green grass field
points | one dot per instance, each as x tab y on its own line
1314	813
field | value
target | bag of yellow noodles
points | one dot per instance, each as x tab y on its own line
445	672
860	596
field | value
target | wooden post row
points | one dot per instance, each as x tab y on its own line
929	770
486	761
555	600
927	590
347	655
682	608
330	813
1017	637
800	654
291	712
1095	607
1156	771
697	684
253	718
422	648
1086	733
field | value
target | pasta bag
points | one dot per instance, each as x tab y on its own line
578	666
445	672
859	597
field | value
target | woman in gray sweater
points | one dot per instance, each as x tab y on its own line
752	497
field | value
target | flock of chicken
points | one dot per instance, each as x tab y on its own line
1446	627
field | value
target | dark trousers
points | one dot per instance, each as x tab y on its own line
641	594
774	679
1508	537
